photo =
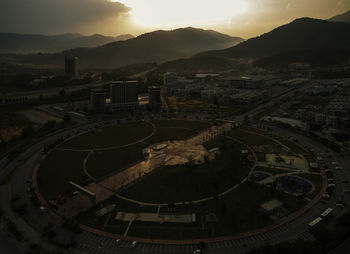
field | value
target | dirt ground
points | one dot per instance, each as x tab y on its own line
13	122
38	117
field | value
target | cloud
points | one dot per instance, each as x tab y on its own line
60	16
265	15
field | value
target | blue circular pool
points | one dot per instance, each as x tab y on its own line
294	184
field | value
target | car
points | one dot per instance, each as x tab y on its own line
133	244
345	181
339	168
346	191
341	205
198	251
326	196
334	163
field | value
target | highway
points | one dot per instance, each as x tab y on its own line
34	95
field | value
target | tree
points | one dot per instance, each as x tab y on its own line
67	118
50	124
27	132
63	93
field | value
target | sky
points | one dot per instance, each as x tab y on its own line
243	18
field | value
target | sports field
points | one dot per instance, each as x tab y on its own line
180	183
219	192
114	148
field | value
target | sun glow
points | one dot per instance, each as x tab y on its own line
171	13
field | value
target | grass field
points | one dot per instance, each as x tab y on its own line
192	182
272	171
58	169
103	163
115	135
251	138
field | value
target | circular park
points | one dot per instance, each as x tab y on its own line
175	179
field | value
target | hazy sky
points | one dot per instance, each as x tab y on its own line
244	18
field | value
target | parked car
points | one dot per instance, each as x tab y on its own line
133	244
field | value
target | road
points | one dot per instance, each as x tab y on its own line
34	95
277	98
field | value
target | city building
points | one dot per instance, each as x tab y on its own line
155	102
98	100
324	90
71	66
321	118
169	78
124	95
251	82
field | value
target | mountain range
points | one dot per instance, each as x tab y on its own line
33	43
305	39
318	42
157	47
345	17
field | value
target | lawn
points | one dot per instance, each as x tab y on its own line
251	138
103	163
272	171
115	135
58	169
191	182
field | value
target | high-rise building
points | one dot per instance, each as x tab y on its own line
71	66
168	79
98	100
124	95
155	102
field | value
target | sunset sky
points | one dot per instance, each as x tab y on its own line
244	18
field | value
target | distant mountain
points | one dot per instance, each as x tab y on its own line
301	34
345	17
32	43
156	47
305	39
